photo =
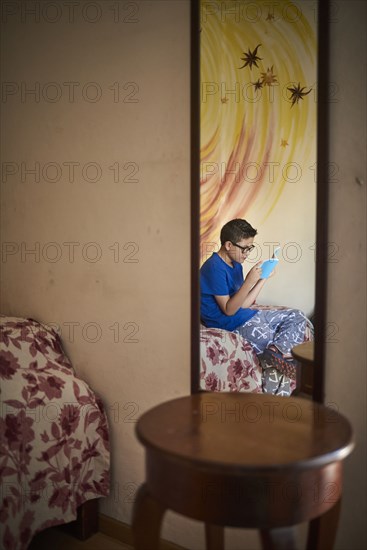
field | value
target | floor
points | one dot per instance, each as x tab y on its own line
57	540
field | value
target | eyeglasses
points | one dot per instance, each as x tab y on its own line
245	249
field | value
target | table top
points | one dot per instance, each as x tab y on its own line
304	353
247	431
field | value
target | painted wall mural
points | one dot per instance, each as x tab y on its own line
258	110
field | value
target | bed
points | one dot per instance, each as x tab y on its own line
54	441
229	363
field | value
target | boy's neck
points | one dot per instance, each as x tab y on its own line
222	253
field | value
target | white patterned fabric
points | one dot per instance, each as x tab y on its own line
228	362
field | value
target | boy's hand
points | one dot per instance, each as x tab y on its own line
272	273
254	274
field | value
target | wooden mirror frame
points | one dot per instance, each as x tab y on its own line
322	172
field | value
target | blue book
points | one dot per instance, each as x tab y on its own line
268	266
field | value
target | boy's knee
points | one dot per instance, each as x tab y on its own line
299	313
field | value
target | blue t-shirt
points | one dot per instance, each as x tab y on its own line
217	278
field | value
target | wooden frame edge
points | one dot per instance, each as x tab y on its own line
322	198
195	191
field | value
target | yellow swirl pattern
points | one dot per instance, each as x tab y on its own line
254	141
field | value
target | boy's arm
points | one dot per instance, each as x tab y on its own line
255	291
253	294
246	295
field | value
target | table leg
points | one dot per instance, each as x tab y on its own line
147	519
322	530
214	536
278	539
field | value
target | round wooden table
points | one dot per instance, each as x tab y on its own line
242	460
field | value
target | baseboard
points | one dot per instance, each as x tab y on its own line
123	532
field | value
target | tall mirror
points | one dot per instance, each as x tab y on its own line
255	132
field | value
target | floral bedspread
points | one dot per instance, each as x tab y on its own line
54	443
228	362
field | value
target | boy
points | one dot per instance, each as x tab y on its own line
227	299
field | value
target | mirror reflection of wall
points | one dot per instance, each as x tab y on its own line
258	135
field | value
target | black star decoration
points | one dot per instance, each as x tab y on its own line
258	84
251	58
297	93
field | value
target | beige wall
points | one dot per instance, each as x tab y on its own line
154	214
148	47
346	356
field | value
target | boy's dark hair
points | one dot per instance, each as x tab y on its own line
236	230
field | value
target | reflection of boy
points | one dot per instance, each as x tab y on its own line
226	299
